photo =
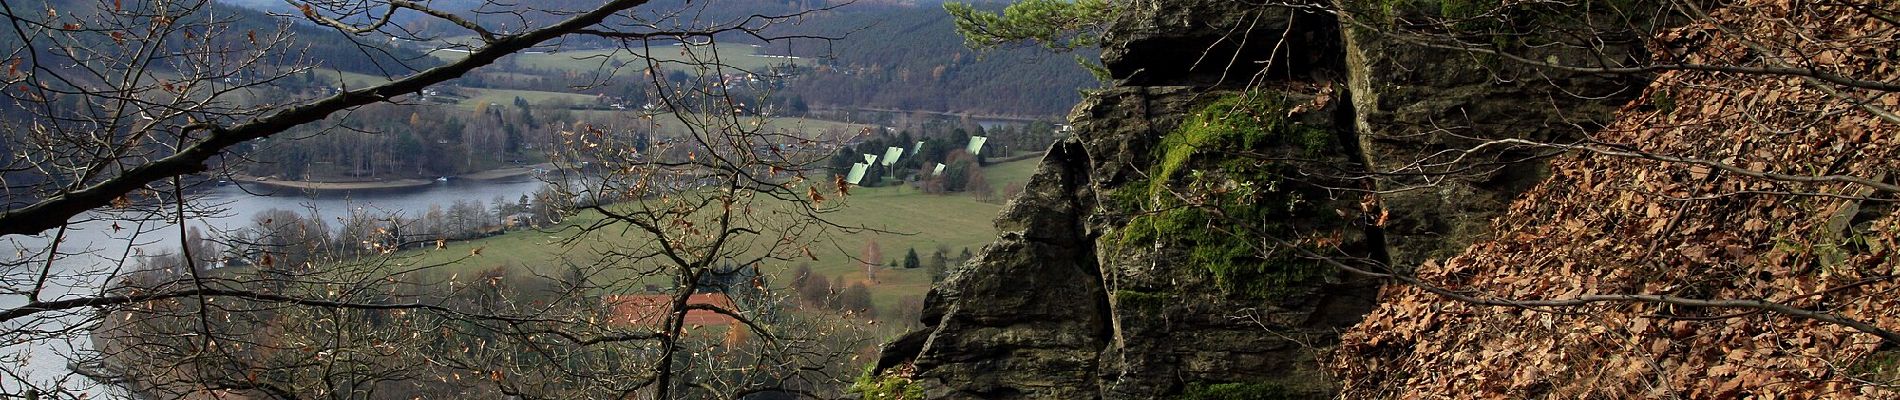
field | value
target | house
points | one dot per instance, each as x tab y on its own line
518	220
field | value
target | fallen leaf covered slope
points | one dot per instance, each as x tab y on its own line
1604	224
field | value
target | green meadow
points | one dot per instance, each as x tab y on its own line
673	125
507	97
907	217
586	63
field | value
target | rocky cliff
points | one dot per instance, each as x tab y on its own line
1176	247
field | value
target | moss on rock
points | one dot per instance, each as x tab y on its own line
1212	194
890	385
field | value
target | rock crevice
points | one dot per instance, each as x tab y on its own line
1129	267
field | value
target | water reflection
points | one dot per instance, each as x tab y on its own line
101	245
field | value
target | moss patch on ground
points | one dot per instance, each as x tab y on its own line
1880	367
1236	391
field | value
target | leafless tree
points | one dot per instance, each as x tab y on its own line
120	110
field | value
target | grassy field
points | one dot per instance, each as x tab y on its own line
350	80
672	125
918	221
600	60
507	97
1018	171
589	61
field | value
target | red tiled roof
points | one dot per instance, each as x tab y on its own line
650	309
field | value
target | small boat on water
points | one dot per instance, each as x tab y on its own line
442	179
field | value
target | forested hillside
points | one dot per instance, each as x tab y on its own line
309	45
910	58
901	55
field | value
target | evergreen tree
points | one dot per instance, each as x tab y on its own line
939	266
641	141
911	260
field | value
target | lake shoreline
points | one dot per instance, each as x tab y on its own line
1056	119
389	185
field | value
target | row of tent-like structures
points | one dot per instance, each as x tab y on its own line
892	154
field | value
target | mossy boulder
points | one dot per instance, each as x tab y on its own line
1164	251
1191	246
1227	178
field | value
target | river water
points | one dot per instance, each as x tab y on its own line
96	250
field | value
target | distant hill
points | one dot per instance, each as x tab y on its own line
897	54
315	45
910	57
